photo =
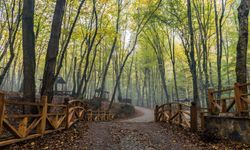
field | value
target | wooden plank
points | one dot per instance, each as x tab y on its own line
246	100
224	90
11	129
56	105
24	116
56	114
44	104
174	116
21	103
33	125
12	141
22	129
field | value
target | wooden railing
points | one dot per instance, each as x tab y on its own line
99	116
233	100
177	113
18	126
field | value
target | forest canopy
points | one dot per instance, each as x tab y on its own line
150	51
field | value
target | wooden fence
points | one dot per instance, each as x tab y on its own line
179	113
232	101
16	127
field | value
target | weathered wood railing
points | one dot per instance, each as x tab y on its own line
179	113
16	126
233	100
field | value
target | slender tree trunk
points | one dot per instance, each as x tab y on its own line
192	56
112	49
52	51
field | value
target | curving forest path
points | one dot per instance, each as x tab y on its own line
139	133
147	115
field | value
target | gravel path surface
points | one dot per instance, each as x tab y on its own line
148	115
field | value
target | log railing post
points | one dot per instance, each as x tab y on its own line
237	93
193	117
2	109
42	126
202	120
180	113
224	105
66	102
211	101
170	111
156	113
240	104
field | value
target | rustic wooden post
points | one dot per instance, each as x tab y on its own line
211	100
194	121
156	113
202	120
170	111
238	93
2	109
42	126
22	129
180	113
224	105
66	102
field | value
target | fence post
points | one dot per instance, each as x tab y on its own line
202	120
240	90
237	93
224	106
170	111
156	113
44	103
2	107
180	113
194	121
66	102
211	100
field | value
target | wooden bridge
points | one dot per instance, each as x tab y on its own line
16	126
231	101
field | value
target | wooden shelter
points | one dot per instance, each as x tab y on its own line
60	87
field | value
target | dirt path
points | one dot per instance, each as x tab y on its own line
147	115
128	136
139	133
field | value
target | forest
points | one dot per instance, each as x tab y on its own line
150	51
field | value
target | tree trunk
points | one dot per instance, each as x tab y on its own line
52	51
192	56
29	63
241	60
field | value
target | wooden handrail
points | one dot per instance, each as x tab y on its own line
35	125
176	113
238	101
9	102
224	90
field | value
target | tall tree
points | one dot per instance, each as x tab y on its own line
241	59
29	88
192	55
52	51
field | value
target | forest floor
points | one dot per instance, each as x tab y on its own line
137	134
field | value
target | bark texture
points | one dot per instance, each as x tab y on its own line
241	62
52	51
29	88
